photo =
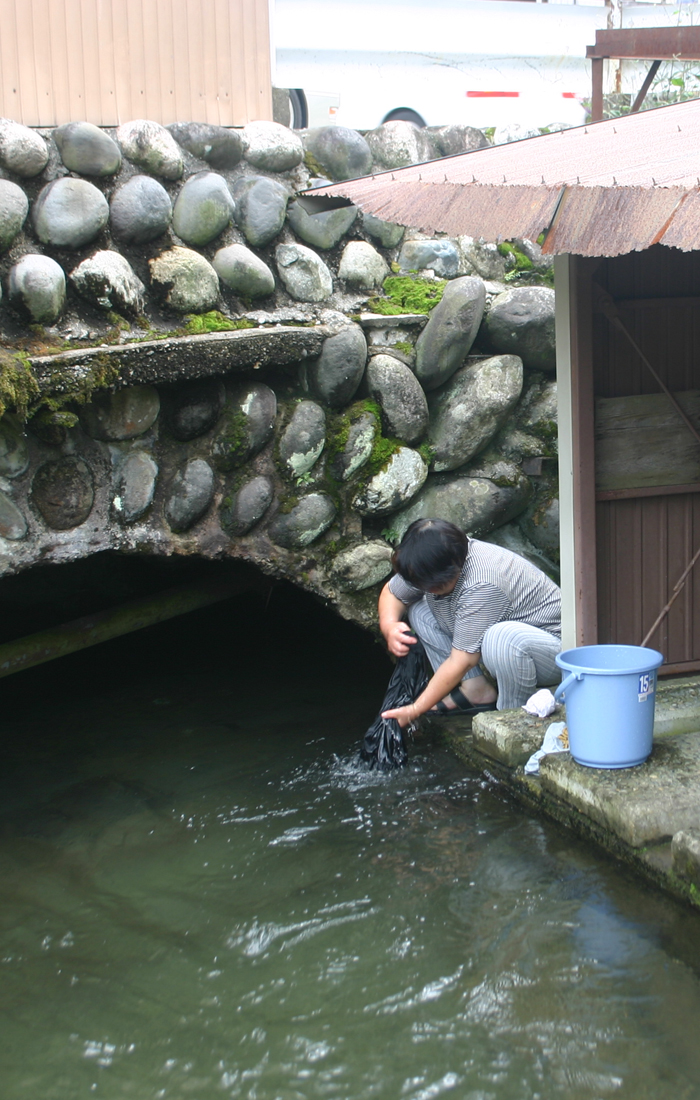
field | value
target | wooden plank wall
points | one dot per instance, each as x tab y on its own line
646	538
109	61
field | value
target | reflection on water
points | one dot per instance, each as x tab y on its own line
204	896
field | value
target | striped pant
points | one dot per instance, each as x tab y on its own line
518	656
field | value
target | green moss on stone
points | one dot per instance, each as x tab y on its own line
214	321
427	452
408	294
404	345
232	441
382	451
18	386
312	164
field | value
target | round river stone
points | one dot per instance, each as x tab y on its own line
203	208
140	210
195	407
87	149
191	493
305	523
247	506
13	525
185	279
63	492
121	415
14	206
69	213
149	145
135	487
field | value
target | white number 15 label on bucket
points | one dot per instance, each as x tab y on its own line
646	686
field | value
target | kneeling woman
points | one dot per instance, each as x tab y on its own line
471	603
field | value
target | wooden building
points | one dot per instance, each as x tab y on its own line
110	61
619	202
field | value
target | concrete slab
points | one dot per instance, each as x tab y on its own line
685	850
508	736
642	805
677	707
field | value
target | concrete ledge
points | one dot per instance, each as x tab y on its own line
642	805
179	357
648	816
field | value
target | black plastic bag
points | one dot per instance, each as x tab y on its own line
383	744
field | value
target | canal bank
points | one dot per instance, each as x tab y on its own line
647	816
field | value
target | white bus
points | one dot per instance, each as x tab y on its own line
486	63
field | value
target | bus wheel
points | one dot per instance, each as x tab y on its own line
298	108
405	114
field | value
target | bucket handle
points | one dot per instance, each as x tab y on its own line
567	683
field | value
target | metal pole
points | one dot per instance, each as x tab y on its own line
35	649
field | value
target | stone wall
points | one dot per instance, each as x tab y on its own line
194	365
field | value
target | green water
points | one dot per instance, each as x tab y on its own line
205	896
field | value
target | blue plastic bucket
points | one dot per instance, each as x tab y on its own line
610	695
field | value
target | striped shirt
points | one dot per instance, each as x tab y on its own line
495	586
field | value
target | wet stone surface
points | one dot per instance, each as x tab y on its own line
37	286
306	522
14	207
335	376
108	280
219	146
203	209
243	271
87	149
136	485
190	495
401	398
152	147
22	150
13	525
397	483
260	208
194	408
452	326
122	415
247	424
63	492
322	230
140	210
69	213
247	506
187	282
304	438
303	272
14	450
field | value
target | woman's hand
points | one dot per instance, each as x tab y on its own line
403	715
399	637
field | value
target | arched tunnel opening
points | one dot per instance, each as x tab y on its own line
268	642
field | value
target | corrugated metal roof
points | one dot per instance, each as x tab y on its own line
602	190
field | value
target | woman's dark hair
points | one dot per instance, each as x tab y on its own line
431	553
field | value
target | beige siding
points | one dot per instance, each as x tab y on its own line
109	61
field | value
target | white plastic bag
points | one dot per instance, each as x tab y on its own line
556	739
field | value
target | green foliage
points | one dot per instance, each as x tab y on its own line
427	452
404	345
389	534
408	294
214	321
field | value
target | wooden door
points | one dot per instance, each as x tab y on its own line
646	460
